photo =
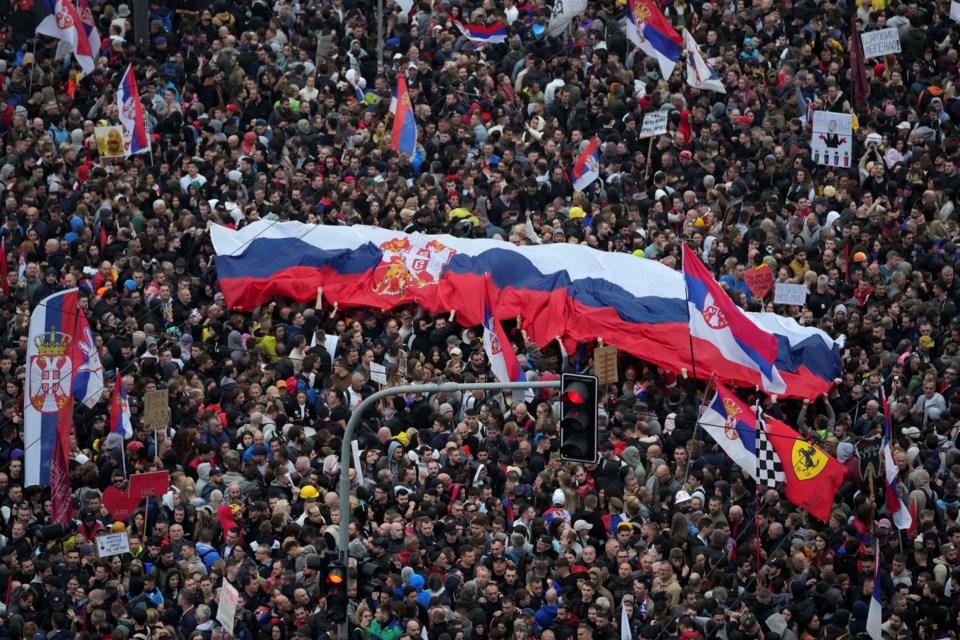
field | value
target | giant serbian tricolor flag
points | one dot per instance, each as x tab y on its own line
899	512
574	292
130	114
720	326
812	476
587	167
653	34
403	137
54	356
63	21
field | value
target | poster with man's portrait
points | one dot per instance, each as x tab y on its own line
832	140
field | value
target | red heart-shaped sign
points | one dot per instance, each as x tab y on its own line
759	280
120	504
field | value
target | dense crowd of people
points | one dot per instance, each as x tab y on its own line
476	529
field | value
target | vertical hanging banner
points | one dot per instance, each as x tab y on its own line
832	142
55	355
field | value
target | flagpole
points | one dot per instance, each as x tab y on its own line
696	427
30	86
756	499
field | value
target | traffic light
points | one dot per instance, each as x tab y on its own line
367	579
336	585
578	418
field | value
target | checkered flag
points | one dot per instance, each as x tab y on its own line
769	467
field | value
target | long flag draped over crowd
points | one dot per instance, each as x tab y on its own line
810	477
62	363
574	292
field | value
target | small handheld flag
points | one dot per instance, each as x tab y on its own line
120	411
587	167
404	134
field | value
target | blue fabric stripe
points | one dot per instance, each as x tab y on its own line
662	43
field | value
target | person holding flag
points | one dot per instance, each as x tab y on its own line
587	167
130	114
899	512
404	134
120	411
650	30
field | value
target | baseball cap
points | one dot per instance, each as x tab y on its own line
582	525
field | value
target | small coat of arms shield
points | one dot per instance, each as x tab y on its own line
50	382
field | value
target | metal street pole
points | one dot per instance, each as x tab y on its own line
343	529
379	36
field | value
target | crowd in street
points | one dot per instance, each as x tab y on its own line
476	528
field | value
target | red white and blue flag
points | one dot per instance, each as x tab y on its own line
54	355
89	28
574	292
483	34
811	477
723	327
120	411
88	383
587	167
700	73
650	30
899	512
503	360
403	137
130	113
63	21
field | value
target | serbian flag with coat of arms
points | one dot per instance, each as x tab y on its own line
650	30
130	111
63	22
120	411
722	332
587	167
812	476
55	356
503	360
403	137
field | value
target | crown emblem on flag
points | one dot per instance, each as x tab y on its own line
640	12
52	343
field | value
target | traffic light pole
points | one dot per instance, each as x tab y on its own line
346	454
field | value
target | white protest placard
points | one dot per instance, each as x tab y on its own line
355	449
654	124
112	545
832	139
955	11
227	608
881	42
330	344
785	293
378	373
